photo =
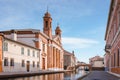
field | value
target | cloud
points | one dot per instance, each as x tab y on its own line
77	43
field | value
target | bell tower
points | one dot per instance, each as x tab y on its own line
58	31
47	21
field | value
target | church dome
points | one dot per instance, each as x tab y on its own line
47	14
58	28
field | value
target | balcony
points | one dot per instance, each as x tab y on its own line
107	48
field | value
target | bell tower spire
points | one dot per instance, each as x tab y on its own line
58	30
47	8
47	21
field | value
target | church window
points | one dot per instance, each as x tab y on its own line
46	23
43	47
118	64
118	18
50	24
114	60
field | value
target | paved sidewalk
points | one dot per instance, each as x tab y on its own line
100	75
118	75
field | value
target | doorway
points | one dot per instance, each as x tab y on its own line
28	66
43	63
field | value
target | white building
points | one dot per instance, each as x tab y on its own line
69	60
97	61
19	57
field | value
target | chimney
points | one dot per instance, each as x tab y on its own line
73	52
14	35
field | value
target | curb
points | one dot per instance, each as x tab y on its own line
114	74
17	75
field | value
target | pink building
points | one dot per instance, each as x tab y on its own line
112	38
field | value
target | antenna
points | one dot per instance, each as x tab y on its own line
57	24
47	8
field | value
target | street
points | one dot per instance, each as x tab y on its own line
100	75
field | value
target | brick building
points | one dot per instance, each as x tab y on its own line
34	42
112	38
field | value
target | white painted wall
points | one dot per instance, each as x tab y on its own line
29	39
14	51
98	64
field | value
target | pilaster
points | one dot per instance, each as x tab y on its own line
1	52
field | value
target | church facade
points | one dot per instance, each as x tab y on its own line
31	49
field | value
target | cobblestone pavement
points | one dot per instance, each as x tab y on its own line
100	75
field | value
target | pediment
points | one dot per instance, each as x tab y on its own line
57	39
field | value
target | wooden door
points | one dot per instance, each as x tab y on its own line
43	63
28	66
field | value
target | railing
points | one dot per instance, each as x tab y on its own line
107	47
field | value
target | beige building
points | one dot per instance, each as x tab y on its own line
96	61
17	56
47	45
69	60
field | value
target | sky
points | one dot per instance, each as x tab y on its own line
83	22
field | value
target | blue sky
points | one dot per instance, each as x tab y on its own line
83	22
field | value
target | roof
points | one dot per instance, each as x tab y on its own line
21	30
47	14
53	36
20	43
67	53
29	29
58	28
109	15
96	58
24	31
